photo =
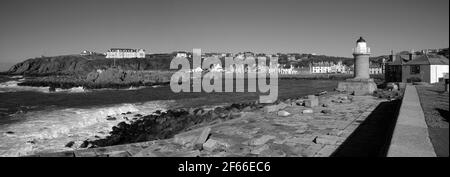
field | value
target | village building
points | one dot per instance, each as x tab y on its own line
327	67
182	54
86	53
375	68
125	53
409	67
428	68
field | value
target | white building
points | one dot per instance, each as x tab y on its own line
125	53
327	67
182	55
86	53
375	68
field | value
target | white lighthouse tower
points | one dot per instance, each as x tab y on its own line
361	84
361	54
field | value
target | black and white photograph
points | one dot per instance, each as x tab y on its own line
194	79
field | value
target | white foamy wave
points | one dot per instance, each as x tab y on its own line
16	77
72	90
51	130
12	86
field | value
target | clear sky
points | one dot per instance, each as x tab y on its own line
31	28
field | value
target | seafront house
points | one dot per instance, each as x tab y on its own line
410	67
375	68
125	53
327	67
182	54
428	68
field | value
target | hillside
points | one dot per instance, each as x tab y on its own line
79	65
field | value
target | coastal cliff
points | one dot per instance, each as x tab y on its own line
81	65
109	78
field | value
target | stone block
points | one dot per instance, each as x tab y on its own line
212	144
118	154
261	140
312	102
202	138
283	113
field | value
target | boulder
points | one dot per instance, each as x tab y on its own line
312	102
70	144
283	113
326	111
202	138
307	111
111	118
327	139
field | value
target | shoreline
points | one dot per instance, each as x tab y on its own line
162	123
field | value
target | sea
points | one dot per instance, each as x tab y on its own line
34	120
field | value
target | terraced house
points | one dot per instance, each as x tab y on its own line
125	53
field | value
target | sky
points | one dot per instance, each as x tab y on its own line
31	28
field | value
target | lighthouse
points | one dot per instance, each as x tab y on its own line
361	83
361	53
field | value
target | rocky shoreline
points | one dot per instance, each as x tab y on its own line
296	127
167	125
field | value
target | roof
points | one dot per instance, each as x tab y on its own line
399	60
429	59
360	40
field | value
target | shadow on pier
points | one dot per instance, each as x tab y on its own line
372	137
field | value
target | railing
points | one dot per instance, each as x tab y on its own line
361	50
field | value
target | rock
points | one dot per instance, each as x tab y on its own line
313	102
184	139
327	139
307	111
10	132
326	111
202	138
261	140
259	149
283	113
147	152
274	108
343	98
128	112
212	144
111	118
324	105
85	144
138	115
194	153
70	144
310	97
118	154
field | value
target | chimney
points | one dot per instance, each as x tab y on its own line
392	57
412	54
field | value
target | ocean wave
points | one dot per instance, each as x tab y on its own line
51	130
12	86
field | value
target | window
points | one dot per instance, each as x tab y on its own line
415	69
